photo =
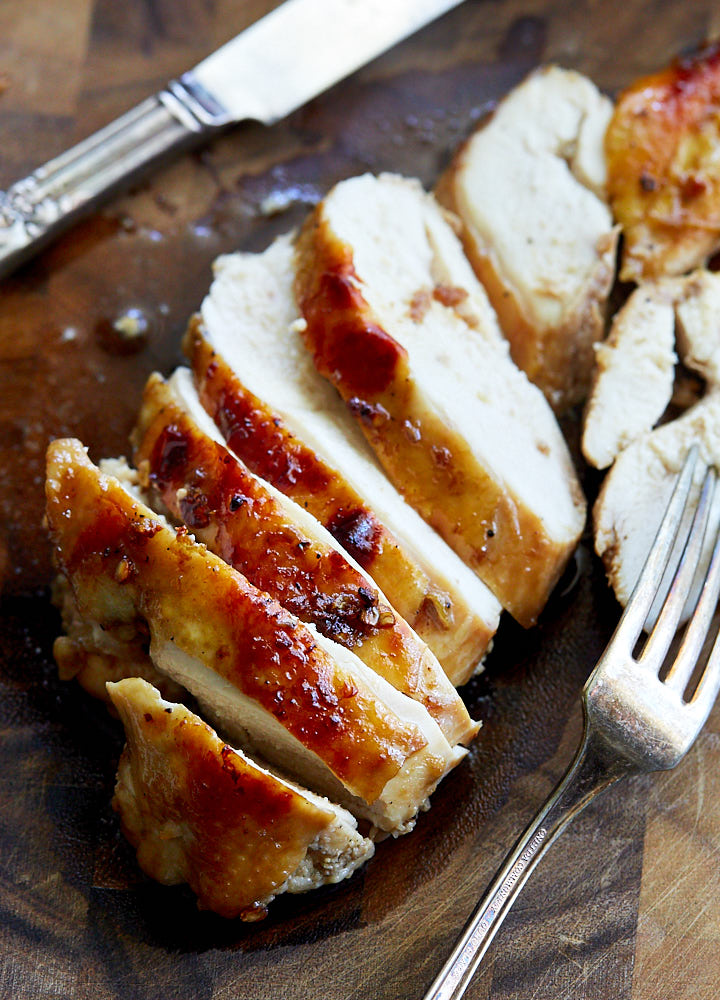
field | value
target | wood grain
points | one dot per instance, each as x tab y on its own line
625	906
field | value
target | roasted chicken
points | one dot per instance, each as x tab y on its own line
281	548
270	682
663	167
288	426
397	321
199	811
637	487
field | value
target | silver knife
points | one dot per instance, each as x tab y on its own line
294	53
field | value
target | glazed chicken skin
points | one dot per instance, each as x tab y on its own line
663	172
397	321
304	702
283	420
281	548
199	811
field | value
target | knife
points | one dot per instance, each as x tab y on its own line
273	67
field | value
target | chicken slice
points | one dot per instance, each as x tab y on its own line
697	318
633	382
471	443
287	424
200	811
529	189
634	372
663	167
636	490
281	548
302	701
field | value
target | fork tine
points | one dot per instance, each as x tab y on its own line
645	590
663	632
697	629
707	690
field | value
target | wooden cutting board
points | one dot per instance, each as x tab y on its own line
626	905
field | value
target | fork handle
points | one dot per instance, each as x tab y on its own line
594	768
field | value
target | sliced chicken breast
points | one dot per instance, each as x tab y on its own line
200	811
663	178
258	383
269	681
633	379
473	445
281	548
636	490
529	189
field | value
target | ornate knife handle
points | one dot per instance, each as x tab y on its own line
36	209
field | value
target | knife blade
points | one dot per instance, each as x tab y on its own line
272	68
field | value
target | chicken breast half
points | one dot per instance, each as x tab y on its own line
281	548
270	682
276	413
397	321
199	811
529	189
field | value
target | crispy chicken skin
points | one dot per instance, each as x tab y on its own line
259	385
528	188
663	169
281	548
306	703
472	445
200	811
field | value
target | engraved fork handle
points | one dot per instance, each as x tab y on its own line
594	768
37	208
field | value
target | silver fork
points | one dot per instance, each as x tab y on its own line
634	721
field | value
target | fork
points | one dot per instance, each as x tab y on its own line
634	721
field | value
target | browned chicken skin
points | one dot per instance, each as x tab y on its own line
201	812
283	551
423	443
663	169
455	633
310	704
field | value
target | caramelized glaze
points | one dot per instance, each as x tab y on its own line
253	530
429	462
258	436
663	175
190	598
198	811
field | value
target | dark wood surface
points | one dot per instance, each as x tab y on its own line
626	904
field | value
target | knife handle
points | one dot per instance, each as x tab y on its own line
38	207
